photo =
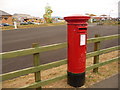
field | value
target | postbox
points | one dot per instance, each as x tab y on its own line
77	39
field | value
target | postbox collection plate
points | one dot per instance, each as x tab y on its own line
82	39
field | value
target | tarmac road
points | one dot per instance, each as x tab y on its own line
109	83
23	38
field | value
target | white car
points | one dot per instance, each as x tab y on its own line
36	23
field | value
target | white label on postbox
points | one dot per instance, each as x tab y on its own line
82	39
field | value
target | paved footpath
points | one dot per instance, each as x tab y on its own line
111	82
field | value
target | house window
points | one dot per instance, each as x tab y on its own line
5	18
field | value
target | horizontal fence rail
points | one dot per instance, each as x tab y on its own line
36	50
45	82
102	51
103	38
29	51
17	73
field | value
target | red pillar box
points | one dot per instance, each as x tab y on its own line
77	39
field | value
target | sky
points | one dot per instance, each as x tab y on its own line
61	7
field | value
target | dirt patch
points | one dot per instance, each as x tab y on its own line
91	78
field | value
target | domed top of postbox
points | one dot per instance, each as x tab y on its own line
76	19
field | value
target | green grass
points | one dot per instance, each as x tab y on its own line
110	22
32	26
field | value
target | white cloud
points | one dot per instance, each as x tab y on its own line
60	7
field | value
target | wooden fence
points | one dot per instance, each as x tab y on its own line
35	50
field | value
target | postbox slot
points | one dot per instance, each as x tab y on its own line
83	24
82	28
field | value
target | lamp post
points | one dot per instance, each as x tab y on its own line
110	13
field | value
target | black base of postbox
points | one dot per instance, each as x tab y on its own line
76	80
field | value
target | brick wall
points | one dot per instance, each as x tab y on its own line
7	19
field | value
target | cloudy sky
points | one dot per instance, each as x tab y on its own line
61	7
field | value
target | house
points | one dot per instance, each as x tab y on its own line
25	18
5	17
20	17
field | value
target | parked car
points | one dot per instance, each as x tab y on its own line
4	24
30	22
1	25
36	23
24	23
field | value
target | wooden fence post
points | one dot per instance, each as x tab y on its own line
36	62
96	58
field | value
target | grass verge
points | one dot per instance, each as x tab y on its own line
31	26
